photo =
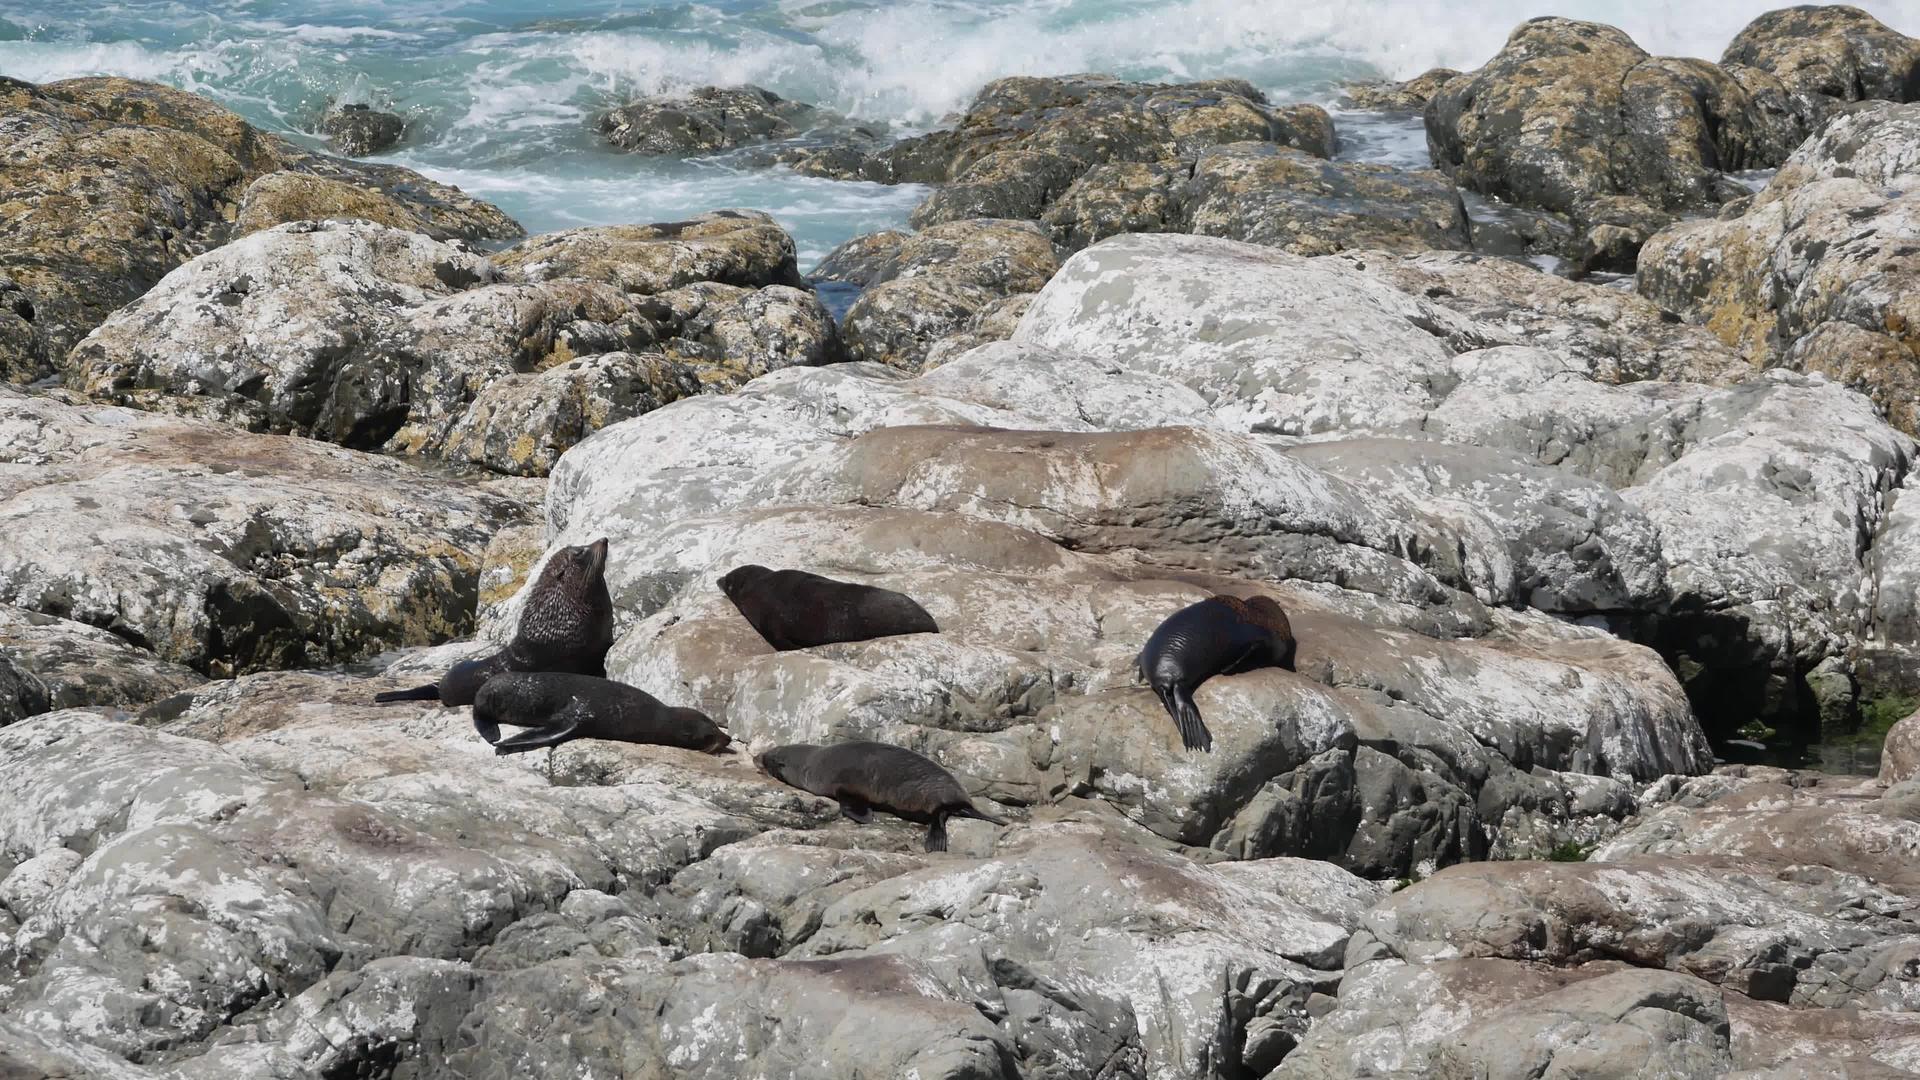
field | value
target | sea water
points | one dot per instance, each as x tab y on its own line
501	95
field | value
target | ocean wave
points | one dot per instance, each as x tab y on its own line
502	93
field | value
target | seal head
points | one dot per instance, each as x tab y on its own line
566	625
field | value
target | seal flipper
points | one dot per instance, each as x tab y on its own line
564	725
418	693
1186	716
937	832
488	730
855	809
972	811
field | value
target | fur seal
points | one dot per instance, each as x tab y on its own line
557	707
867	776
1221	635
567	625
793	609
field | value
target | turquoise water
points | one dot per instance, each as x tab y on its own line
501	94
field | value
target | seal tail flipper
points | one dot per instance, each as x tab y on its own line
972	811
488	730
534	739
1186	717
937	833
565	725
418	693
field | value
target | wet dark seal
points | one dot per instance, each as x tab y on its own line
867	776
793	609
567	625
1221	635
557	707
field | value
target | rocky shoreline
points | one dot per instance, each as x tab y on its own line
284	429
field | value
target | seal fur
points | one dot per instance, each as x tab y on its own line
793	609
1221	635
557	707
867	776
566	625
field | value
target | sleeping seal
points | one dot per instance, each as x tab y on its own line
867	776
567	625
557	707
1221	635
793	609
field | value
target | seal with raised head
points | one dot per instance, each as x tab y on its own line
566	625
557	707
1221	635
867	776
793	609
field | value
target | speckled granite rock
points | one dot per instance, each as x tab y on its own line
373	337
80	665
222	551
1329	348
935	283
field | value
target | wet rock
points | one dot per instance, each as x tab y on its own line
360	130
1119	197
706	120
1264	194
733	247
938	281
167	174
1827	55
1816	272
1409	96
1572	112
1025	140
1290	200
222	551
864	260
1610	231
280	197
